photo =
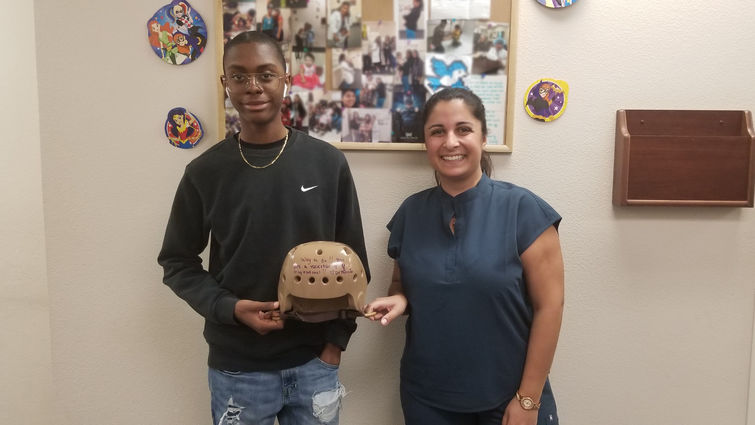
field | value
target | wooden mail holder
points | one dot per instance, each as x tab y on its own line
684	158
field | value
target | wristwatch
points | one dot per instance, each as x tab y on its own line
527	402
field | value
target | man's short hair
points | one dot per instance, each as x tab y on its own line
254	37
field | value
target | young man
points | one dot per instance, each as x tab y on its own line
256	195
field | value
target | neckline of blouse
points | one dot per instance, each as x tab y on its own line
468	194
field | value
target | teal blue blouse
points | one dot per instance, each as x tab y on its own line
470	313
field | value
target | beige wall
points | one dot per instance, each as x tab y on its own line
25	386
658	320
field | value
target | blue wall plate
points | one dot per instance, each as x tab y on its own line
177	33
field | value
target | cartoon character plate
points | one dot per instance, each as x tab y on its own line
546	99
182	128
555	4
177	33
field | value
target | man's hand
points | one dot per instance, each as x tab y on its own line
263	317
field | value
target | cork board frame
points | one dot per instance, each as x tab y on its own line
501	11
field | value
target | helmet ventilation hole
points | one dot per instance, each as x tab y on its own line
324	280
319	252
311	280
339	279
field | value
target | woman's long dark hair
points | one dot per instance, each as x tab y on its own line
475	107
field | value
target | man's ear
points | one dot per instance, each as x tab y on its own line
222	81
286	82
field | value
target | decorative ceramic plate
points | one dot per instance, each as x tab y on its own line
555	4
182	128
546	99
177	33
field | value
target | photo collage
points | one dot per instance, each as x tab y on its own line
361	81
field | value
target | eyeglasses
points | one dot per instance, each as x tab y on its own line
263	80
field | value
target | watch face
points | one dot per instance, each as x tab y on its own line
527	403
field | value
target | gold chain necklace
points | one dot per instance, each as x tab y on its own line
271	162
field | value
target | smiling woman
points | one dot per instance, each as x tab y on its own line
478	270
455	134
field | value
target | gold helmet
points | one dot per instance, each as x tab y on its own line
322	281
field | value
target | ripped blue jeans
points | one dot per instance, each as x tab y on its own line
309	394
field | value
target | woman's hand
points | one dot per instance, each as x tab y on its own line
516	415
386	308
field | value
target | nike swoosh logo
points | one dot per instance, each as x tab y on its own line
307	189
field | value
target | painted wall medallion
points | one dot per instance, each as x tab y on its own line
177	33
182	128
546	99
555	4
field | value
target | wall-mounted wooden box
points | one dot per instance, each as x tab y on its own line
677	157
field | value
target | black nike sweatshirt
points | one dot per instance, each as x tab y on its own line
252	218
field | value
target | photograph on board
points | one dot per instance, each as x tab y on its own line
366	125
451	36
344	23
324	116
346	69
379	47
274	21
309	28
410	70
307	71
375	92
238	16
411	17
491	48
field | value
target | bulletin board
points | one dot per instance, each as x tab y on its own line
376	18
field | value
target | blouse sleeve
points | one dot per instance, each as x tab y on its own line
534	216
396	227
